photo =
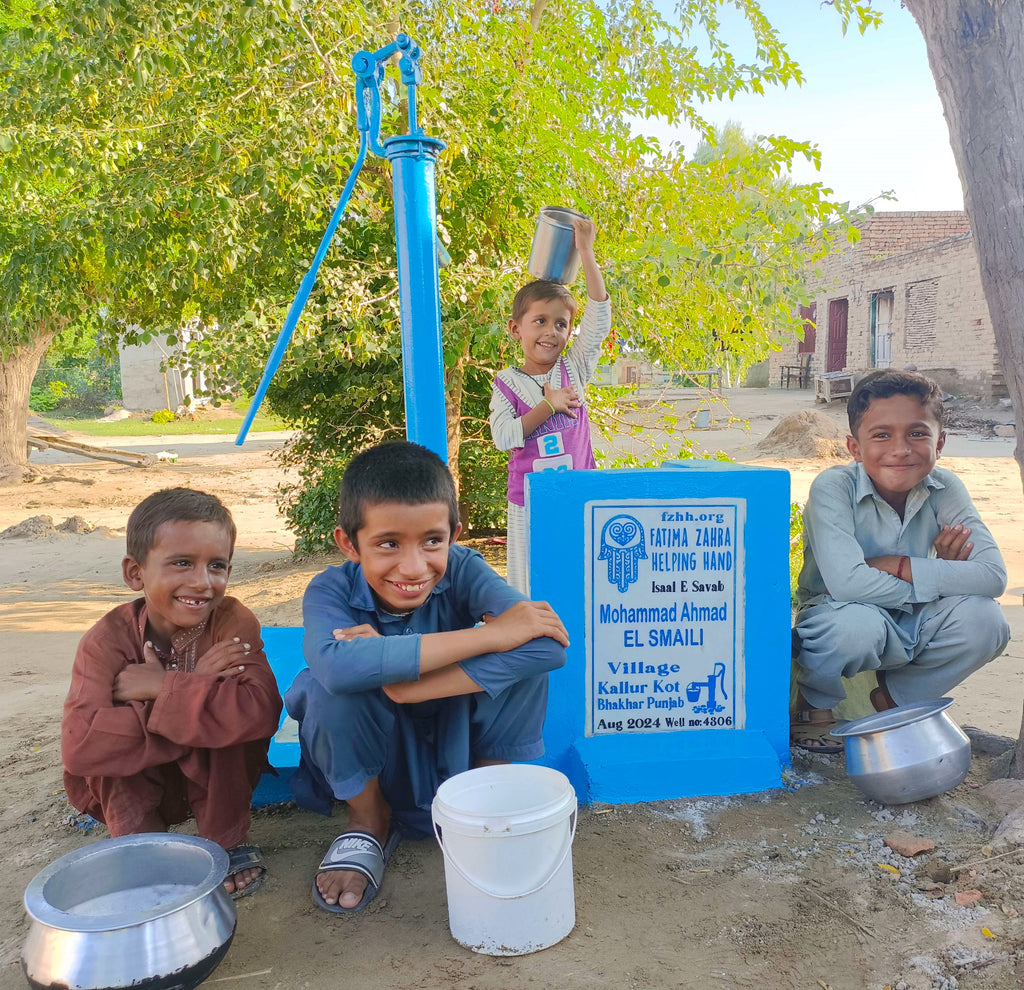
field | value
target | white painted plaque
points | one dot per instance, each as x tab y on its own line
664	624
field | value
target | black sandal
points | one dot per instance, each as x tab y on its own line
246	858
810	730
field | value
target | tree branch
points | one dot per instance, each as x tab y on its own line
332	77
537	12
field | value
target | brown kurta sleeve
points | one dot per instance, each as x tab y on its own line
101	737
200	711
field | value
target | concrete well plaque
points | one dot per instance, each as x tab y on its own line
673	584
664	615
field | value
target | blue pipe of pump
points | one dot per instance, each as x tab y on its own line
412	158
299	302
412	164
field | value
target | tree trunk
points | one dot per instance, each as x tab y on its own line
16	374
454	387
976	53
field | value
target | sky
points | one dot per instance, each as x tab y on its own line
868	102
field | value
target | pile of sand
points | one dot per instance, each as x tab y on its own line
806	434
42	528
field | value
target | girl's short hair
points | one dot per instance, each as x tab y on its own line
541	289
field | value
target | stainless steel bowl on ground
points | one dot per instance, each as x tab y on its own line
143	911
906	754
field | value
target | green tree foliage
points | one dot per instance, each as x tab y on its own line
173	161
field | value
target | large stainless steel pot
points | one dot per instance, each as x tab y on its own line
906	754
143	911
554	255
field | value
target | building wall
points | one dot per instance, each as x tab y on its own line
144	387
940	320
895	233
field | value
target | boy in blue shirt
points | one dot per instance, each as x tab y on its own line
422	663
900	574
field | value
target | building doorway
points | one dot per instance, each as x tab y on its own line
881	328
838	311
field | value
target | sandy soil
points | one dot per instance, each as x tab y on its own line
782	889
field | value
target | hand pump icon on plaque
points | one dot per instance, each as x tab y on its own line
694	688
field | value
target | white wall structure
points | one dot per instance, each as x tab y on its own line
144	387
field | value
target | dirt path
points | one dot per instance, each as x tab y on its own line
775	890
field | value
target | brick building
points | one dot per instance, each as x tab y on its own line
909	292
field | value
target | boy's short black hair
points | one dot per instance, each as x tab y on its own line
394	472
173	505
540	289
885	384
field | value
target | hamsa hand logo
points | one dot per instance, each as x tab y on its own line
623	546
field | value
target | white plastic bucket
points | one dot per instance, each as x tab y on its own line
506	833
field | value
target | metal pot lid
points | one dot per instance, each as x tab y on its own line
40	908
893	718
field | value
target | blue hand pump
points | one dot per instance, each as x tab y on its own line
412	158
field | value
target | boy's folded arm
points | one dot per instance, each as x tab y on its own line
207	712
99	737
512	638
350	666
518	637
488	672
448	682
211	711
840	557
982	574
934	578
494	672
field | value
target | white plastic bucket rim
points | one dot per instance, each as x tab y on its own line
451	801
542	815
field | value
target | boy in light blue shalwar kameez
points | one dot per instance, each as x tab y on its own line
900	574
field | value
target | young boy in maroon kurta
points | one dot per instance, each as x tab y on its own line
172	701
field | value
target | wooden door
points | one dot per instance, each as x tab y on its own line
837	314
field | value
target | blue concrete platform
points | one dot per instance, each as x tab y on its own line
283	646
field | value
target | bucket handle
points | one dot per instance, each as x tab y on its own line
449	858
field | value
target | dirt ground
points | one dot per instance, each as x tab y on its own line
791	888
